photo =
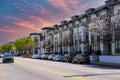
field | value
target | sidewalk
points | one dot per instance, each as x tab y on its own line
106	64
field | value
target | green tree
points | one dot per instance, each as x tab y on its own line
1	49
24	44
7	47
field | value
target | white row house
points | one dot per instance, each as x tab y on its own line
96	33
37	38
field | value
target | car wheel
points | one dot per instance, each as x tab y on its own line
79	62
87	62
67	60
73	61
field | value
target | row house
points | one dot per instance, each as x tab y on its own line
56	39
96	32
80	35
37	38
47	41
65	36
115	19
104	32
97	36
61	38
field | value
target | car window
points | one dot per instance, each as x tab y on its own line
78	55
65	54
8	56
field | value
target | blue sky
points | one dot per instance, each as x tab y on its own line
18	18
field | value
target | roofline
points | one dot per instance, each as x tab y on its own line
48	28
35	34
115	3
98	9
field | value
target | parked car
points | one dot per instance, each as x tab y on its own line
58	57
67	57
35	56
81	58
8	57
51	56
44	55
1	55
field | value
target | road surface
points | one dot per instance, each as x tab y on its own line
35	69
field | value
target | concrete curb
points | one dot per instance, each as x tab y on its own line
115	65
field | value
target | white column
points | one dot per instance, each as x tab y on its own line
83	39
89	38
68	49
82	48
102	48
78	43
83	35
113	47
69	41
74	41
113	43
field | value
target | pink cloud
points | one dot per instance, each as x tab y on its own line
60	4
41	22
72	7
26	24
17	30
34	23
8	30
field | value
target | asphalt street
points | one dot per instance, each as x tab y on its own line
35	69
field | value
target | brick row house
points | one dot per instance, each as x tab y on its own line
96	33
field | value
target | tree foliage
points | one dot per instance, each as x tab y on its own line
1	49
24	44
6	48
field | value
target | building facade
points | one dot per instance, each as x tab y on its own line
96	32
37	38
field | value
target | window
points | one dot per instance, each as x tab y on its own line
79	37
87	36
77	22
95	44
117	46
36	39
118	11
93	20
92	39
98	43
117	38
70	24
117	27
75	38
75	42
101	17
65	27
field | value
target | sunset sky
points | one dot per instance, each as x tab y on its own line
18	18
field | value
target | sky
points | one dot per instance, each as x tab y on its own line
19	18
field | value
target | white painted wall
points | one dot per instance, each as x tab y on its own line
38	37
80	29
83	19
93	16
102	12
116	15
110	59
116	7
33	37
